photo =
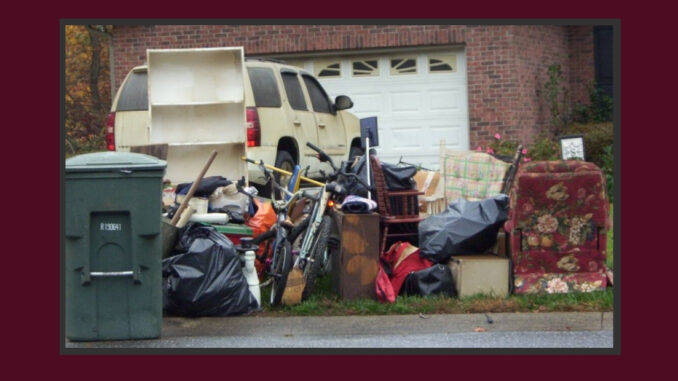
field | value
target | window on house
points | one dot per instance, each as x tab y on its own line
264	87
293	91
319	99
364	68
327	69
406	65
440	63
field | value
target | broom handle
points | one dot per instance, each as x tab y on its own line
191	190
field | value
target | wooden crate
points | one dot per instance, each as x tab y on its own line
355	261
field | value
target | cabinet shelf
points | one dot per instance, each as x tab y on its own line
217	122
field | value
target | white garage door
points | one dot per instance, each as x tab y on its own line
419	99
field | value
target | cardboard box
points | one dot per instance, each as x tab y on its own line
480	274
427	181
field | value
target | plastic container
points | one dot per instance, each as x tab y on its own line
229	198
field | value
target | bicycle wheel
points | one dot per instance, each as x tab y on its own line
298	230
316	257
280	268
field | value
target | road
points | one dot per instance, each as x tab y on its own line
504	330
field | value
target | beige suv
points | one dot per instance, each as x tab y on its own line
285	106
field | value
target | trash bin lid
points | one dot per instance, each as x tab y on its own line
103	161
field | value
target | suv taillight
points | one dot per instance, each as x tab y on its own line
110	132
253	128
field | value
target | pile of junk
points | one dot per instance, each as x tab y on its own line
479	225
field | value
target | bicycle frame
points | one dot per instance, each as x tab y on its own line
317	214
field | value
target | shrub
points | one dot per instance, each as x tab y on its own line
608	169
598	110
544	148
597	138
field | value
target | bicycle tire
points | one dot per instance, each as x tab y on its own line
280	267
298	229
312	269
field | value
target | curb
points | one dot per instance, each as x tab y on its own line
175	327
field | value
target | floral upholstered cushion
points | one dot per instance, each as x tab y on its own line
552	283
558	218
472	175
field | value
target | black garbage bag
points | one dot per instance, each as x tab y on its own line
436	279
353	187
399	177
206	187
465	227
207	279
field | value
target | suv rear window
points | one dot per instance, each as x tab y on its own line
134	95
264	87
293	90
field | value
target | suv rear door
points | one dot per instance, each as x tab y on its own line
331	132
302	117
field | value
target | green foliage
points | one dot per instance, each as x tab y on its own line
503	147
598	142
544	148
608	170
555	94
87	90
597	138
598	110
574	301
609	260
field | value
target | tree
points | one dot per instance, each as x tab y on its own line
87	87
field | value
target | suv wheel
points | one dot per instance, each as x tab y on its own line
284	161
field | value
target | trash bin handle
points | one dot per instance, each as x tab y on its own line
87	277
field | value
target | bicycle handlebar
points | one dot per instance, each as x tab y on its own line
324	157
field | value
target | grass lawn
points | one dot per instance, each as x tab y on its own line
325	302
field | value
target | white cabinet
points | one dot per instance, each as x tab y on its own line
196	104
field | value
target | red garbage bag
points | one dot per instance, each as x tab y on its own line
384	287
403	258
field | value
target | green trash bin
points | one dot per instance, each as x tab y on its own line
113	246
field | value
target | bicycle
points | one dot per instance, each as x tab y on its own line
280	263
314	254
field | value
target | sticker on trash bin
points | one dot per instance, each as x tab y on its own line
105	226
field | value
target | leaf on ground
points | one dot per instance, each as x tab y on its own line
479	329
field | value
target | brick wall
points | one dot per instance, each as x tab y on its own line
582	64
537	48
507	65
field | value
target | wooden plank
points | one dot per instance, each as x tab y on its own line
156	150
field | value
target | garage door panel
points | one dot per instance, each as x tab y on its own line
445	100
453	134
405	138
367	103
404	101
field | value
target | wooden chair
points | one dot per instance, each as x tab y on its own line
398	210
511	172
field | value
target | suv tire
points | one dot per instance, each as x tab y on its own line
283	160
